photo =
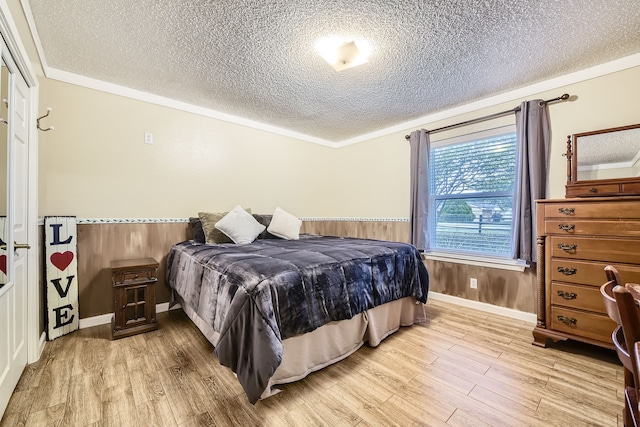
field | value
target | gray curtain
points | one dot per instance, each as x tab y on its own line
532	129
420	146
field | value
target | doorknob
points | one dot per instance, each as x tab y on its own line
16	246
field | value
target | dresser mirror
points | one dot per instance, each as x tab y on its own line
604	162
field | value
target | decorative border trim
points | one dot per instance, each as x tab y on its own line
355	219
186	220
129	220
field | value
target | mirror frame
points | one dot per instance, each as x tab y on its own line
596	187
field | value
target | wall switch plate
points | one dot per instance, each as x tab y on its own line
148	138
473	283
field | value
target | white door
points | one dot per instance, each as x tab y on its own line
13	293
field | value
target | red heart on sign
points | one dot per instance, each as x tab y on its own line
61	259
3	263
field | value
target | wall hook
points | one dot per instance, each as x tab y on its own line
40	118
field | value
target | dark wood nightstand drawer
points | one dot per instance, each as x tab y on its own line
142	275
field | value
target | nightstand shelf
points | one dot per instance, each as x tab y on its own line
134	296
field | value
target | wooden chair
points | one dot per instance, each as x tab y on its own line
629	313
631	394
612	274
617	336
606	290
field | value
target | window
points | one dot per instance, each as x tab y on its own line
471	185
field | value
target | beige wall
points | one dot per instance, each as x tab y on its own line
603	102
96	165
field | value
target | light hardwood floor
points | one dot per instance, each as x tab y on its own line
462	368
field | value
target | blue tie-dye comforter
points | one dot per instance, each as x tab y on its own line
259	294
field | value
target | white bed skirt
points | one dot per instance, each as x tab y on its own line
332	342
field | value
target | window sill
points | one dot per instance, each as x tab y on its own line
500	263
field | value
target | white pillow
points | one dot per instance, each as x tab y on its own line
240	226
285	225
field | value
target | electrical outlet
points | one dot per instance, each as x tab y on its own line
148	138
473	283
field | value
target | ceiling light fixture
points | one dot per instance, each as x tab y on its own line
342	55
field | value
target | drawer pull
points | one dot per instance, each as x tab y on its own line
567	227
567	211
567	248
568	320
567	295
567	271
593	190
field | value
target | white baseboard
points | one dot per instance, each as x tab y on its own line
483	306
41	343
103	319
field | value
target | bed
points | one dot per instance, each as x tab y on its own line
276	310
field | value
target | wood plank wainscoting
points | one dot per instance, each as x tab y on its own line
100	241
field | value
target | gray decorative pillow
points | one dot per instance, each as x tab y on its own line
196	229
211	233
264	220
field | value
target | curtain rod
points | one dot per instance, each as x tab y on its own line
563	97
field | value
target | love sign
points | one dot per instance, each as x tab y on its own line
61	274
3	264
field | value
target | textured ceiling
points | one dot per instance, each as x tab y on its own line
256	59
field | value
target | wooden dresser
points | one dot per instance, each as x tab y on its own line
577	238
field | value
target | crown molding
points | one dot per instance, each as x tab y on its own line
100	85
514	95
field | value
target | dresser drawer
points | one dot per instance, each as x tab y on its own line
630	187
592	190
613	250
591	325
592	210
589	273
571	227
576	296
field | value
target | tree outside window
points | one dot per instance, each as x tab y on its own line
472	185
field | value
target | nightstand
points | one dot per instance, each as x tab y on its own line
134	293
